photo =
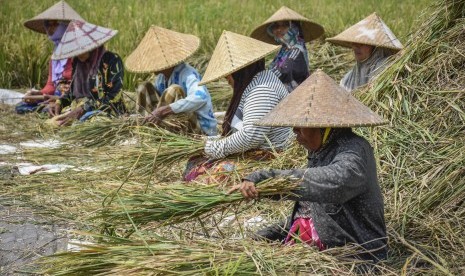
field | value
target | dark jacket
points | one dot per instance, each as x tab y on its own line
340	192
105	91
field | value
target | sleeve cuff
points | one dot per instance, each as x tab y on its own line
176	107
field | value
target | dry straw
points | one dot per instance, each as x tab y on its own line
310	29
161	49
370	31
199	257
421	156
60	11
320	102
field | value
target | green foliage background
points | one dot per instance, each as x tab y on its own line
24	54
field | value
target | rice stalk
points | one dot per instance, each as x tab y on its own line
176	203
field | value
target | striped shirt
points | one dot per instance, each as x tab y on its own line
263	93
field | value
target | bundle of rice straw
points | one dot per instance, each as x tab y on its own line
113	131
179	202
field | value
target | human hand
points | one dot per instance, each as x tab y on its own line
155	117
74	114
247	189
54	109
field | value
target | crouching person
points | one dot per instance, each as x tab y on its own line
176	89
339	200
97	80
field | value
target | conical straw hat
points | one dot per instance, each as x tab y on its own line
234	52
81	37
370	31
161	49
60	11
320	102
311	30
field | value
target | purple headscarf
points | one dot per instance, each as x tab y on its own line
58	66
84	71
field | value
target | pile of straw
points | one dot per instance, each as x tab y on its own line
161	257
421	153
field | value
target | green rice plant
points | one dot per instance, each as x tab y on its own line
175	203
24	54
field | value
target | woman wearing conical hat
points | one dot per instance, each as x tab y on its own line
97	79
176	89
256	91
52	22
290	30
241	60
339	200
372	43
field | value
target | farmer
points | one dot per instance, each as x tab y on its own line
176	89
240	59
372	42
339	200
52	22
290	30
97	74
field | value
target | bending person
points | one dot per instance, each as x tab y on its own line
52	22
339	200
176	89
372	43
97	74
290	30
256	92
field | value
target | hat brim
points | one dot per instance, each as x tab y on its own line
348	44
84	48
38	25
332	125
311	31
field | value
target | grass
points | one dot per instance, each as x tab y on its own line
23	53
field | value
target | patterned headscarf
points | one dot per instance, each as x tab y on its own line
84	71
58	66
364	71
292	39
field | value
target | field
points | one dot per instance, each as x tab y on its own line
420	153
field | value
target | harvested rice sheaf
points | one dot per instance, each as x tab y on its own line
174	203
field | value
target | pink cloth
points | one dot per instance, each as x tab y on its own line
303	230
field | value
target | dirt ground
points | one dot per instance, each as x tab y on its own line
25	236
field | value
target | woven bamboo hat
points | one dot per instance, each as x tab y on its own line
320	102
370	31
311	30
233	52
60	11
81	37
161	49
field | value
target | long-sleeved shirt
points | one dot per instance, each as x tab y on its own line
340	192
197	98
263	93
50	87
105	87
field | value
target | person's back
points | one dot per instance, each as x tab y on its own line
266	88
197	96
